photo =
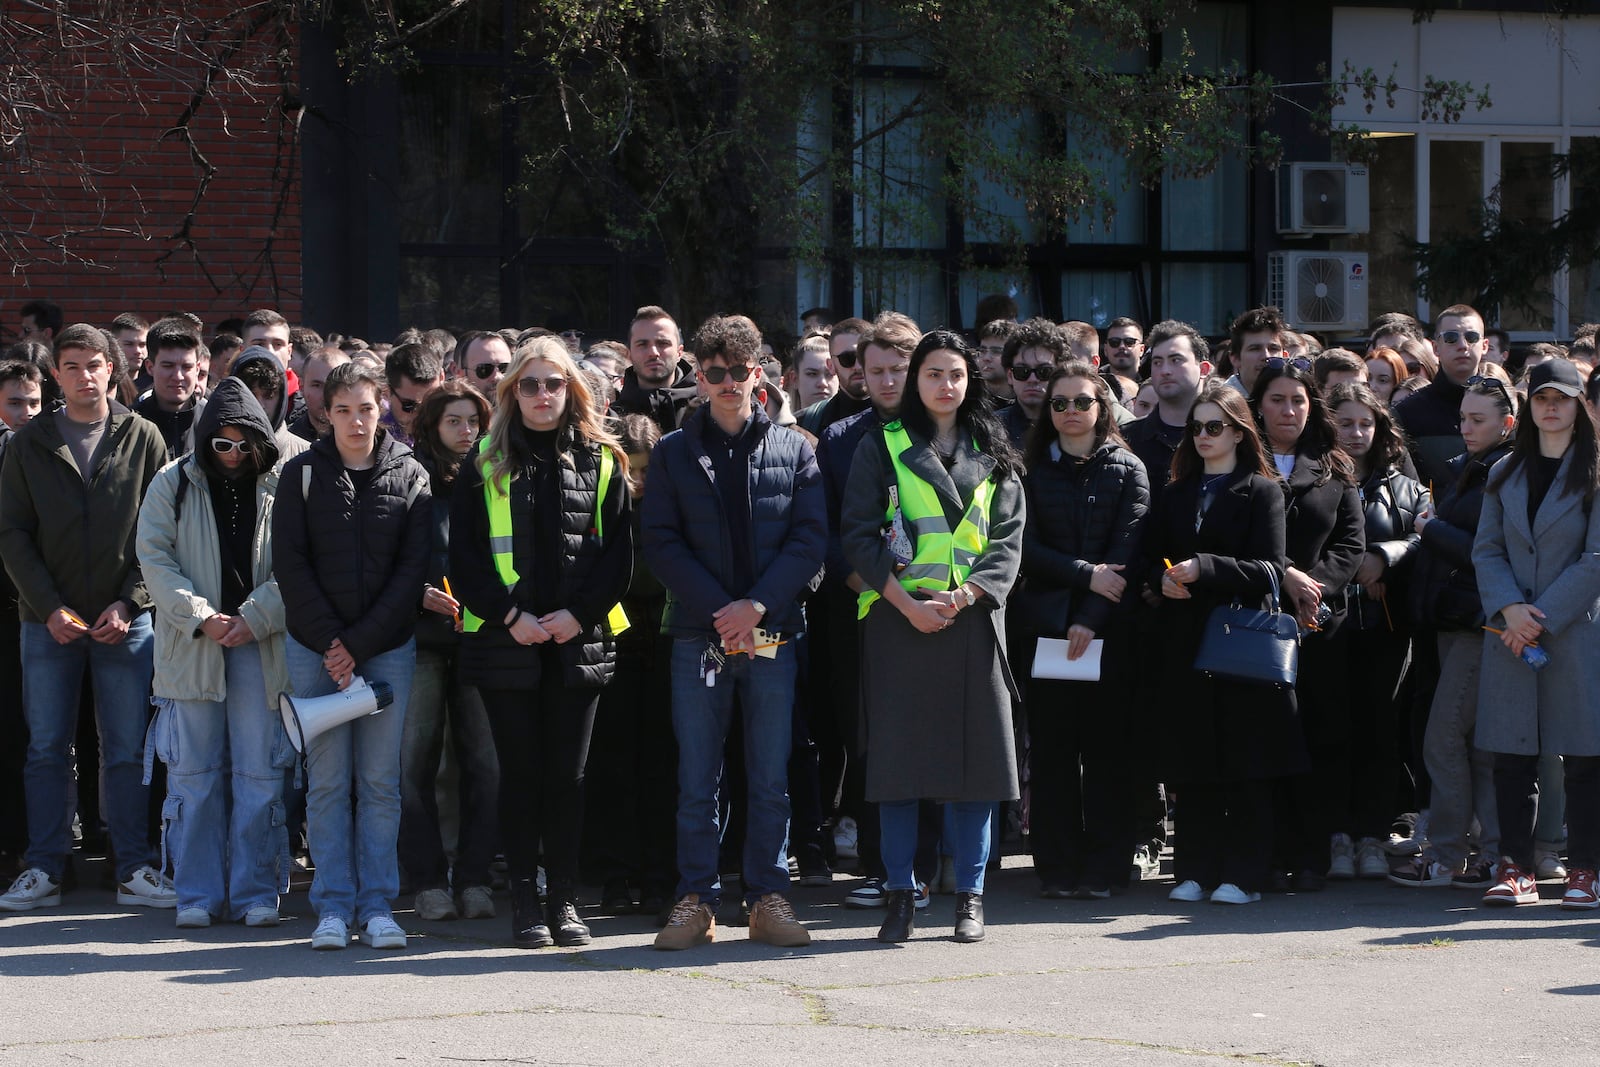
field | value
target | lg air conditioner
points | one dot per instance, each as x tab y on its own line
1319	290
1322	198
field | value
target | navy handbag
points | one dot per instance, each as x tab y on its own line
1251	645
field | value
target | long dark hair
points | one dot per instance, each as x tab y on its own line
1388	441
429	414
1105	420
1249	453
1583	473
255	450
1318	440
974	416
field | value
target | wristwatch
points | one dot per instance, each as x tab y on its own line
761	609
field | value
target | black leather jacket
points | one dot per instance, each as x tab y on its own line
1390	503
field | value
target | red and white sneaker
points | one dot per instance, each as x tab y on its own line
1516	886
1580	894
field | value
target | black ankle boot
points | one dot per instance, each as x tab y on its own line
900	920
527	924
969	917
569	930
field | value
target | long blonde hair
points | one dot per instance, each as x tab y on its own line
579	418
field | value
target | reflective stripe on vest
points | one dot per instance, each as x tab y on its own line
497	502
943	557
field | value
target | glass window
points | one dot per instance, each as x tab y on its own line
1209	296
567	296
997	213
459	291
1583	280
1455	188
449	181
1392	192
1127	225
912	287
900	200
1527	196
1098	296
977	284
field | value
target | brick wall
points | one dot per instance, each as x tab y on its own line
95	206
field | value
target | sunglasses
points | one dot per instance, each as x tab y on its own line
532	387
408	406
739	373
845	359
1040	373
1277	363
485	371
1491	382
1450	337
1122	342
222	446
1077	403
1211	428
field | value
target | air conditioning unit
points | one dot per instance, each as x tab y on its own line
1322	198
1319	290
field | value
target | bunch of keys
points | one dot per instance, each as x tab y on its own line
711	662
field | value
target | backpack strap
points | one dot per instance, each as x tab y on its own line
182	491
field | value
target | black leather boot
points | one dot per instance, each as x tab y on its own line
562	915
527	921
969	917
901	917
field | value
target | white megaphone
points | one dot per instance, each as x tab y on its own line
304	718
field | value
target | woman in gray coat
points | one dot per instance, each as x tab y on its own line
1537	556
932	521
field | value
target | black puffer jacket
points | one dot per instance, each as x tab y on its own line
350	565
594	574
1444	583
1390	502
1079	514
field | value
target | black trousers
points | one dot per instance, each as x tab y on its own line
1377	665
543	742
13	737
1081	813
631	792
1516	793
1224	833
1312	807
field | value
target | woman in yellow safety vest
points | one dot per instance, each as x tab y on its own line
932	521
541	550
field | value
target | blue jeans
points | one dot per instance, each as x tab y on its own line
701	718
966	834
52	678
223	818
439	699
358	873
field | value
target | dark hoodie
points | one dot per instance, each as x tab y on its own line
256	354
233	496
665	406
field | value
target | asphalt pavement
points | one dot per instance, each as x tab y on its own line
1362	974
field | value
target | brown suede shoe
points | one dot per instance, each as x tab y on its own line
691	923
772	920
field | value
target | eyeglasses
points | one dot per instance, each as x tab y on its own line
1040	373
485	371
1277	363
222	446
1450	337
1211	428
1077	403
531	387
1123	342
739	372
408	406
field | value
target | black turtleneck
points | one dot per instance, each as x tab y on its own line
233	501
537	449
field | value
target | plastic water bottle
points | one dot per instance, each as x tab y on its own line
1535	657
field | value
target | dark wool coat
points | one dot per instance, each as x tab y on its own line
1213	729
937	706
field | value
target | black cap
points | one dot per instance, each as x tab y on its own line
1557	374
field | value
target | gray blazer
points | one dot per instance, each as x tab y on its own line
1555	566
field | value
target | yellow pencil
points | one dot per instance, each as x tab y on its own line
73	618
448	593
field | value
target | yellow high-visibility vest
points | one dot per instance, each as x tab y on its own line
498	503
943	557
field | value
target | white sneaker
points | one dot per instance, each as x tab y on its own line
148	889
261	915
476	902
32	889
331	933
1547	865
1228	893
383	932
920	900
434	905
1187	892
869	894
1146	864
193	918
846	839
1341	857
1370	859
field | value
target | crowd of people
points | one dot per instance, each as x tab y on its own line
455	616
